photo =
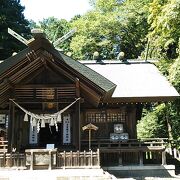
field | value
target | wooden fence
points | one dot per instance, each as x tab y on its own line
3	145
128	145
12	160
78	159
175	153
48	159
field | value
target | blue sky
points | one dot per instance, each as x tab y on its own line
62	9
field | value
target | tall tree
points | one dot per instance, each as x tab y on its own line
163	120
11	15
164	20
112	26
54	29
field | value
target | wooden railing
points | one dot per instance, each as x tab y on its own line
3	146
50	159
12	160
175	153
78	159
130	144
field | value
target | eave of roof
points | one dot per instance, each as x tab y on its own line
13	60
138	82
104	83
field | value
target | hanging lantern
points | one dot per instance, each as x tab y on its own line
52	122
43	123
26	117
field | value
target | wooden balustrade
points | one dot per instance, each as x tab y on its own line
142	151
128	145
175	153
50	159
12	160
78	159
3	146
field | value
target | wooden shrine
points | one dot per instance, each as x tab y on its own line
41	81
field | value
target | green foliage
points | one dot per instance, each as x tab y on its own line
164	117
96	32
163	35
11	15
111	27
54	29
164	20
152	125
174	73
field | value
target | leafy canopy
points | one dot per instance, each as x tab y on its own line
112	26
11	15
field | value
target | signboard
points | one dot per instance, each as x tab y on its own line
66	129
49	146
33	135
2	118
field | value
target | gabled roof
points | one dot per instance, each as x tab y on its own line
136	81
41	54
96	78
116	82
11	61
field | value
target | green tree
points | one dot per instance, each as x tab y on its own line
164	120
112	26
152	125
96	32
11	15
54	29
164	20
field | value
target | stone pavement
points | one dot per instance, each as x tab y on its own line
62	174
67	174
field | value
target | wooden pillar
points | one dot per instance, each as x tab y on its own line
163	157
120	159
141	158
78	115
11	126
50	160
32	161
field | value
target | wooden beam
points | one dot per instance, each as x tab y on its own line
11	127
34	74
78	114
17	77
44	85
163	157
61	70
140	158
90	95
